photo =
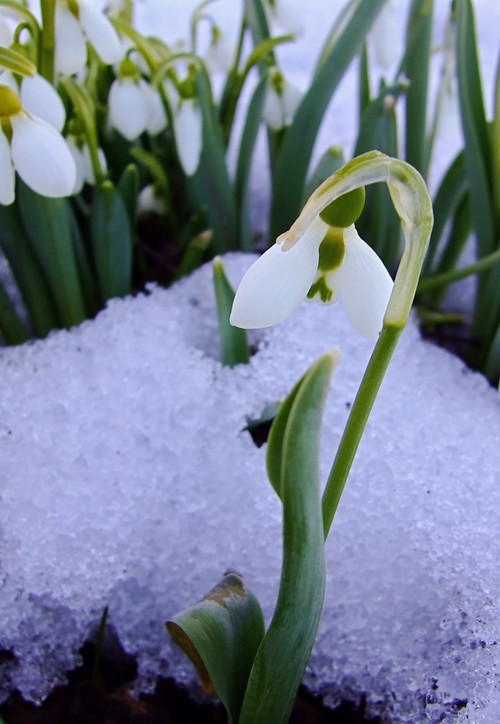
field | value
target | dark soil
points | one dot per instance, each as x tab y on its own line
100	695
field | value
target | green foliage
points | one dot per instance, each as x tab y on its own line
233	340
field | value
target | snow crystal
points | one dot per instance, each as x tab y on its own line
129	480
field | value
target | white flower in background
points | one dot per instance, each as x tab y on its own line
281	101
5	32
81	156
220	54
33	148
134	106
77	21
188	130
385	36
187	122
326	264
149	200
283	14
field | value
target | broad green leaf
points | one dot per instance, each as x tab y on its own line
415	66
285	649
128	186
234	348
295	152
244	163
221	634
27	272
47	223
111	240
11	327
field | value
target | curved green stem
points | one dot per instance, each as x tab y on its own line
413	205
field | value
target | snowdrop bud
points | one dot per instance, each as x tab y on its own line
148	200
283	14
7	175
188	130
41	99
220	54
127	106
385	34
281	102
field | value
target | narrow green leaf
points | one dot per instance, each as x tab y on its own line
248	139
210	186
286	647
234	349
111	240
27	272
364	93
194	254
11	327
221	634
295	152
256	20
415	66
451	189
47	223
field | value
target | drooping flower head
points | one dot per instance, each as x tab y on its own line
281	101
33	148
76	22
328	263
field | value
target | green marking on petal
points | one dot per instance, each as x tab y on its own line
320	287
345	210
331	250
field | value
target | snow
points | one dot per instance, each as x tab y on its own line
128	480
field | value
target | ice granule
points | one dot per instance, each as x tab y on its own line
128	480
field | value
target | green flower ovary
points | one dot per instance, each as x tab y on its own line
9	102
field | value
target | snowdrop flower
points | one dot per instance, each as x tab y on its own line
134	106
326	264
220	54
41	99
188	130
282	13
385	36
33	148
281	102
81	156
149	200
77	21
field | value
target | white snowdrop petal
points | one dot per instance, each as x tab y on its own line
156	118
272	111
7	176
6	78
70	53
41	99
100	33
41	156
276	284
149	201
79	164
365	286
287	18
88	171
290	98
188	129
127	109
385	35
220	55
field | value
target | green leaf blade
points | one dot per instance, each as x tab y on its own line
284	652
221	634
